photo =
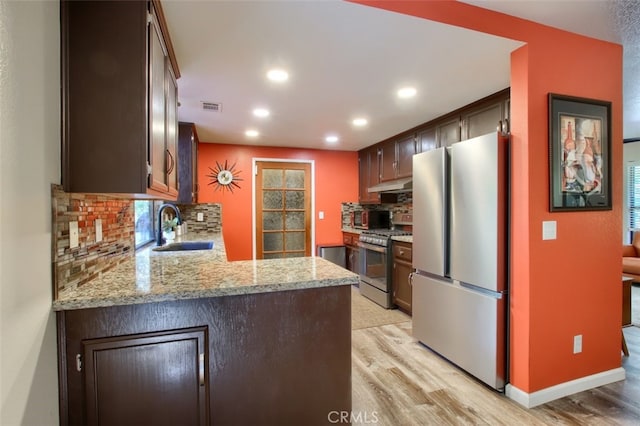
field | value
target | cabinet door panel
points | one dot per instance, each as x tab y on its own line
387	161
426	140
448	133
406	148
172	129
157	109
401	288
478	123
153	378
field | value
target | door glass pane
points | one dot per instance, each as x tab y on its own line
272	256
294	254
295	199
273	241
272	221
272	178
272	199
295	220
294	241
295	178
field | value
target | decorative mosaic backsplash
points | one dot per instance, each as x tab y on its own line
77	266
211	217
403	206
74	267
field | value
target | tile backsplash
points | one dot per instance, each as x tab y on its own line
74	267
403	206
77	266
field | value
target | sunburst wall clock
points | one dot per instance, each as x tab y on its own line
224	177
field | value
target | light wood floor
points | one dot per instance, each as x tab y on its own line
397	381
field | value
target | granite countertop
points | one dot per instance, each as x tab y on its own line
154	276
351	230
403	238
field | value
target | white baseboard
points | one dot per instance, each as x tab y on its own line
530	400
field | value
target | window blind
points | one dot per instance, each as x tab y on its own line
633	188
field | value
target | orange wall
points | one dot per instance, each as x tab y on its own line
571	285
336	182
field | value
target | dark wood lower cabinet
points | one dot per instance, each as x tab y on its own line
150	378
270	358
400	283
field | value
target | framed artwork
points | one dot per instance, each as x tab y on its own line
579	154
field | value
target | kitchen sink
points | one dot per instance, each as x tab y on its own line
186	245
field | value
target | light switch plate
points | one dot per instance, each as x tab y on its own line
199	217
549	230
98	230
321	215
73	235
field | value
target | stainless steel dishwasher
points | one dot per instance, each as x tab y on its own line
333	253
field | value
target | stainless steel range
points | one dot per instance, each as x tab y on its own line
376	264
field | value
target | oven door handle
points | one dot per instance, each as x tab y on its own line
371	247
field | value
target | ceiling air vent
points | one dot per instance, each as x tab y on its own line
212	106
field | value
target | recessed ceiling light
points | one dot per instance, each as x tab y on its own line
261	112
331	139
278	75
407	92
252	133
360	122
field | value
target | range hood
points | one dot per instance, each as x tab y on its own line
393	186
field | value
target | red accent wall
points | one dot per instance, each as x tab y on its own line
336	177
571	285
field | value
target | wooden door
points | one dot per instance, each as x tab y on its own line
154	378
283	210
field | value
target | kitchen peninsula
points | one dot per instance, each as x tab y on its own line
186	337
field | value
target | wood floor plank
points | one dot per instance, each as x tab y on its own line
398	381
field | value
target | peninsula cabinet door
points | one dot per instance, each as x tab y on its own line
147	379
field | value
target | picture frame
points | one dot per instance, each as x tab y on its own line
579	154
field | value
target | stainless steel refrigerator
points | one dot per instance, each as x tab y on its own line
460	238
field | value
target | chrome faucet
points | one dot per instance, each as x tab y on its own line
159	240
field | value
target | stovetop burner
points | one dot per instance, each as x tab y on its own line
380	237
386	232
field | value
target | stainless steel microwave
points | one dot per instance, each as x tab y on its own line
370	219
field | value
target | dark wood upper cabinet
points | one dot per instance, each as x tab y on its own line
426	140
448	133
482	121
188	163
369	175
119	99
396	158
387	153
405	150
368	172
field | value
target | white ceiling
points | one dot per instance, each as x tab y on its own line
347	60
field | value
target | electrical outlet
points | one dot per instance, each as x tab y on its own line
199	217
577	344
73	235
98	230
